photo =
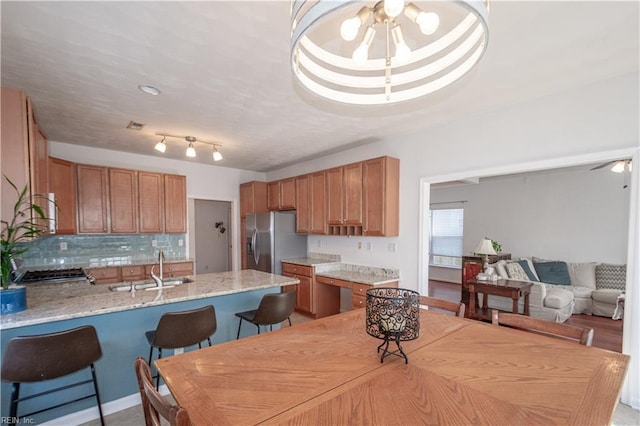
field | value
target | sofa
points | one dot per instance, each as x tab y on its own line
561	289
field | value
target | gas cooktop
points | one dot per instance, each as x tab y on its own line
51	275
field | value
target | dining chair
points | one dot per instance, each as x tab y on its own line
582	335
155	405
182	329
42	357
457	308
273	309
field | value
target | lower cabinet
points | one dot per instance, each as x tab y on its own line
304	298
118	274
329	288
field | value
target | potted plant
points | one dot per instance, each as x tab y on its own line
28	222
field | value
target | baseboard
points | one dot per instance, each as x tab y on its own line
84	416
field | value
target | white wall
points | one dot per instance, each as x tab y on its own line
571	214
206	182
596	118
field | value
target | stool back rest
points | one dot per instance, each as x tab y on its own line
275	307
582	335
185	328
155	405
49	356
457	308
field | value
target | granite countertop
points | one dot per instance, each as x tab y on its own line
56	302
331	267
308	261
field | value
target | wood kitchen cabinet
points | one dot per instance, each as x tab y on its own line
281	194
170	270
304	297
310	204
253	198
132	273
24	151
150	203
92	184
328	289
62	183
175	204
123	197
381	196
344	199
106	275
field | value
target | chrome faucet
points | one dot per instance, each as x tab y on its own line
159	280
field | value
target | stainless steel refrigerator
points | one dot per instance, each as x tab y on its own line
271	237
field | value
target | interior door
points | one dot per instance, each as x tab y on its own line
212	230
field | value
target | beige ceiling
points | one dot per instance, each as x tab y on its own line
224	74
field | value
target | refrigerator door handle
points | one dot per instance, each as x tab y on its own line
254	246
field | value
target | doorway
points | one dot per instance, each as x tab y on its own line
212	230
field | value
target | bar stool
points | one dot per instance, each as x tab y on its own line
273	309
49	356
182	329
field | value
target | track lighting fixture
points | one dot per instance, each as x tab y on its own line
191	151
161	146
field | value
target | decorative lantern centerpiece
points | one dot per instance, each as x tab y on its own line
393	314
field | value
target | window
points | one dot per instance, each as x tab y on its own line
446	237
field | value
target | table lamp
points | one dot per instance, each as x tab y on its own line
393	314
485	248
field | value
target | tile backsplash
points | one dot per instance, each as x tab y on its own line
101	250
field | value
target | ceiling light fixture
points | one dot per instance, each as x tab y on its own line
161	146
191	150
444	42
619	166
149	90
217	156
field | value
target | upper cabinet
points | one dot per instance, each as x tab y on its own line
150	203
175	204
92	184
310	203
381	197
282	194
130	201
24	150
253	198
344	195
62	184
123	205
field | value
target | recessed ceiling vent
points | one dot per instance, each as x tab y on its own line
134	125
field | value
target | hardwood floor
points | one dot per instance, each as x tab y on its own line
607	332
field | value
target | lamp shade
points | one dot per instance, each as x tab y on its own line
485	246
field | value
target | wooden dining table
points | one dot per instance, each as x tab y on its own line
459	372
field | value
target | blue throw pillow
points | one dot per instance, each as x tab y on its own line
553	272
527	270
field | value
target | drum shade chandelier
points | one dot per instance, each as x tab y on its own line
191	151
368	53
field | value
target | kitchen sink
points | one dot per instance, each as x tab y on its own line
150	284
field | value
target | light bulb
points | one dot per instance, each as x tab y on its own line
191	151
402	53
393	8
361	54
161	146
402	50
349	28
216	155
618	167
428	22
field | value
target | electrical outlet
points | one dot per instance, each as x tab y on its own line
392	247
63	245
369	246
154	243
359	245
180	243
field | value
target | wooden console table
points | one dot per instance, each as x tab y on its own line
503	288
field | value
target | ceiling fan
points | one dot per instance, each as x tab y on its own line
619	166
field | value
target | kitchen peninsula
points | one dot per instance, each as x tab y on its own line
121	319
